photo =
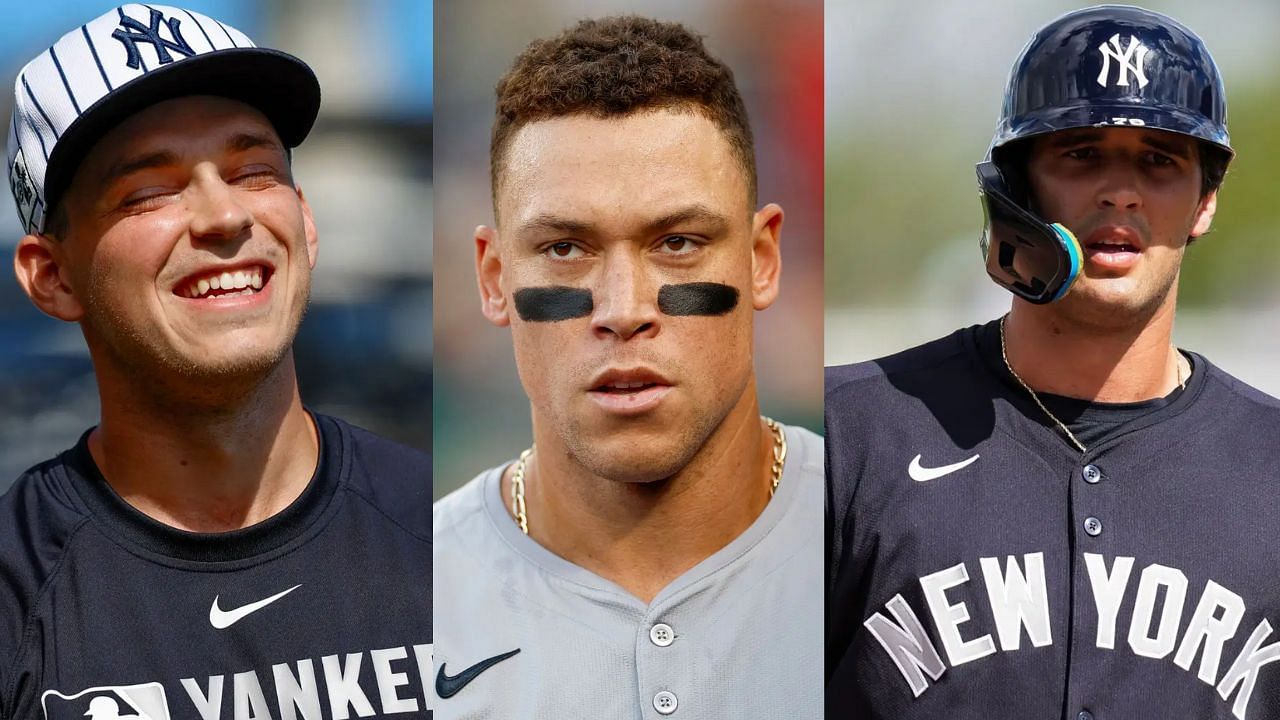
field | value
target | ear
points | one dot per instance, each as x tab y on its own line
39	263
766	255
1204	215
309	229
493	303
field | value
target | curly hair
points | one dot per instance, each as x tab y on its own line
617	66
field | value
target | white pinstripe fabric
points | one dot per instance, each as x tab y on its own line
84	66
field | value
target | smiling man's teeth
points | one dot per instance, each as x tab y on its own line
627	385
240	282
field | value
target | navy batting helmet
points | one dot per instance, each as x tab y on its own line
1105	66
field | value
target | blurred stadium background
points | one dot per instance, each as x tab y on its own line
364	351
775	49
912	95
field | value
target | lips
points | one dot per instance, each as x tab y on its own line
627	380
1115	247
1114	238
628	391
222	282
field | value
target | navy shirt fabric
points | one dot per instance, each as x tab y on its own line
1016	577
1091	422
321	611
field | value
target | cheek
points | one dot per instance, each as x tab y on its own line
126	270
718	348
544	354
1049	199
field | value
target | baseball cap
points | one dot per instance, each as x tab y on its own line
127	59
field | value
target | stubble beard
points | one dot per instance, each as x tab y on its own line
170	378
1133	309
643	462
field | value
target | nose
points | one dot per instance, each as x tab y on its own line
217	213
625	300
1119	188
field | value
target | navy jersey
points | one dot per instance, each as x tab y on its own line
979	565
321	611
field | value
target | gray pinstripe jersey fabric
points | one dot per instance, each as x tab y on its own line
748	620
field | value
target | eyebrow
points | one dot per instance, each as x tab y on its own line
249	141
1155	140
129	166
240	142
714	222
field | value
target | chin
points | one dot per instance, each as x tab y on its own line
223	370
640	459
1114	302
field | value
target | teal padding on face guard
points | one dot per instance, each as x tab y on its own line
1072	246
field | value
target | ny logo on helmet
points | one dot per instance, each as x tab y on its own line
131	32
1125	59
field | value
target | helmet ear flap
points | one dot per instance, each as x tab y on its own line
1013	160
1035	260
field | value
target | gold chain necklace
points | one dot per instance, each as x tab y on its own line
521	509
1182	383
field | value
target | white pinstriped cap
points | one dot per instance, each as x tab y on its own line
127	59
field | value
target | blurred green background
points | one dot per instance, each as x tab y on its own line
775	50
912	96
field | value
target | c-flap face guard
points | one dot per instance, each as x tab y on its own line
1035	260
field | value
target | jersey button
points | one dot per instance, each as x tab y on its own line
665	702
1084	715
1092	475
662	635
1093	526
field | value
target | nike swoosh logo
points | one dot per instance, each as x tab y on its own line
447	687
223	619
920	473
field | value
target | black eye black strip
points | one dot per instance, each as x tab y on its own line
697	298
552	304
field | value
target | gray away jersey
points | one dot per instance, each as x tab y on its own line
737	636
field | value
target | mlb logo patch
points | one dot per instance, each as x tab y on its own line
24	190
126	702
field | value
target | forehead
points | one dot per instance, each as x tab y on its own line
186	125
618	168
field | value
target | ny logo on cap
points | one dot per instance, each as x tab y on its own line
131	32
1126	60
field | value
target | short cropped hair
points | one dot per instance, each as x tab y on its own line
617	66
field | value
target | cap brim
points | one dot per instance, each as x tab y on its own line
278	84
1155	117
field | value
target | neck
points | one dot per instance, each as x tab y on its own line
1054	353
642	536
207	467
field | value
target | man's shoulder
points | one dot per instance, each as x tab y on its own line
943	358
379	454
39	517
1226	389
806	446
393	477
38	509
461	507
